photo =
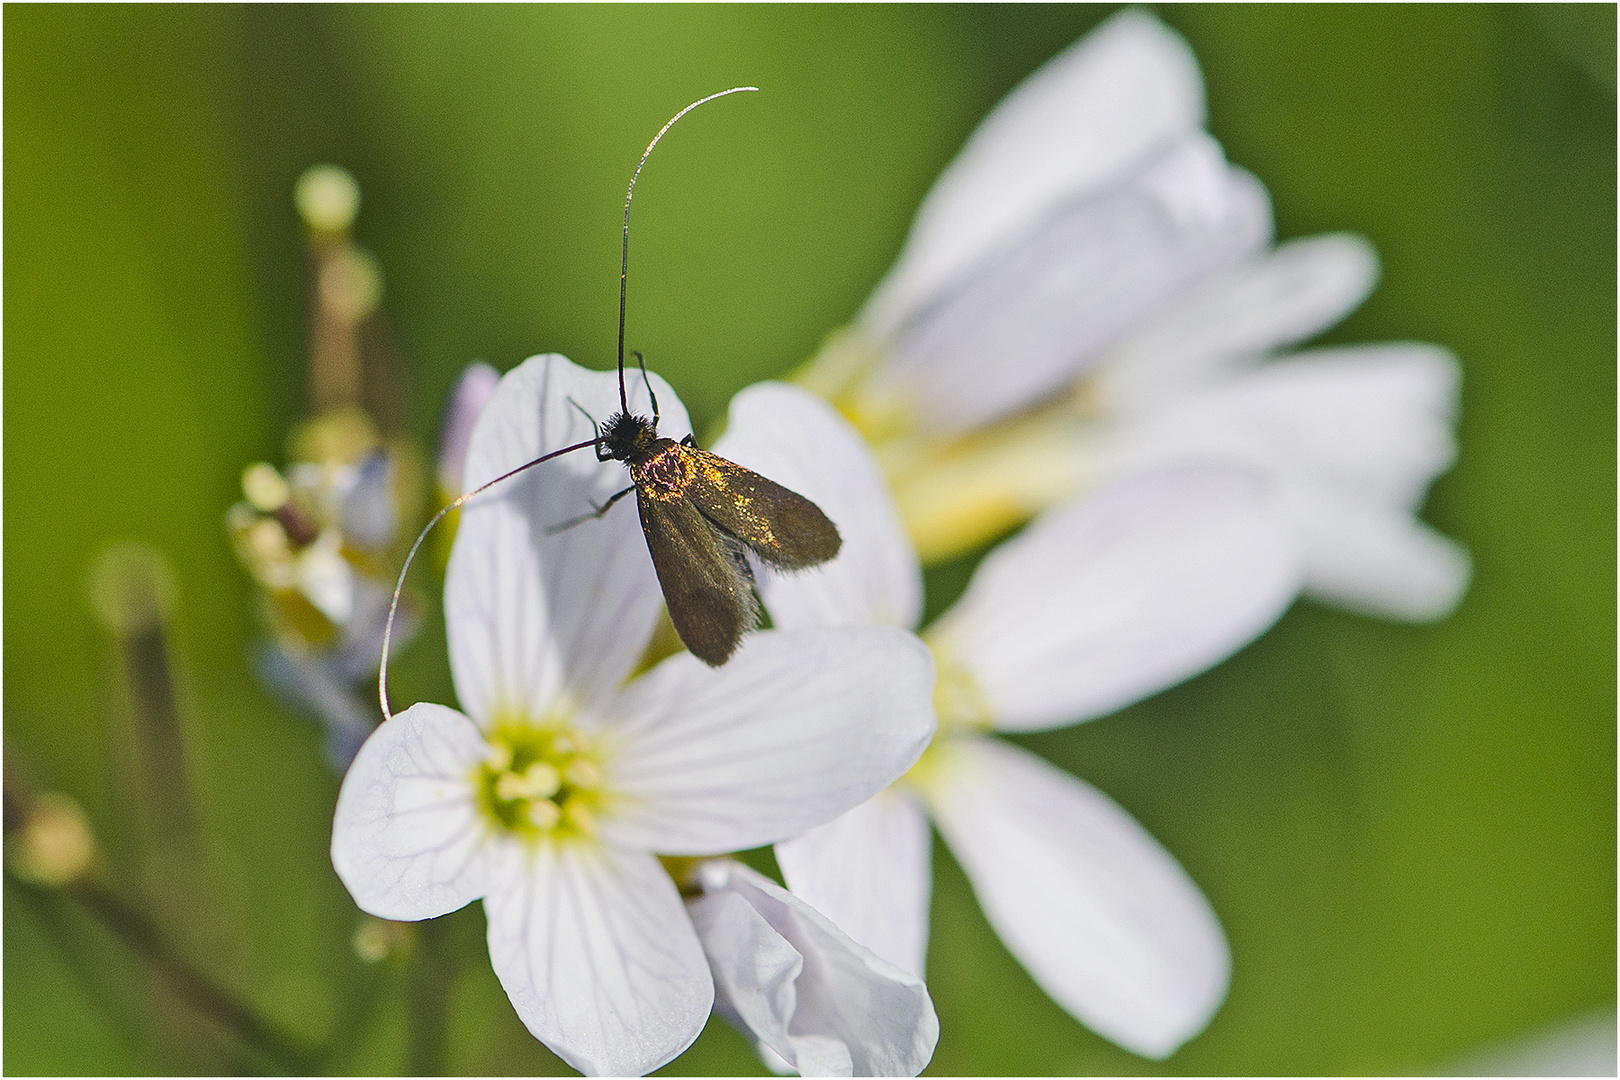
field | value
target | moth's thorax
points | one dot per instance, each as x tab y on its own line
630	438
665	473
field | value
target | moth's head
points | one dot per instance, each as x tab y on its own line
626	436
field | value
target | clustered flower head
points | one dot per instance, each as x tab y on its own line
320	539
314	536
1085	333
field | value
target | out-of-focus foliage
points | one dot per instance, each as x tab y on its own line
1409	833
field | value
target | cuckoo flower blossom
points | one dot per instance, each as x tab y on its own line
553	790
1090	291
1098	604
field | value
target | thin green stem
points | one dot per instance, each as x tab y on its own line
142	936
429	997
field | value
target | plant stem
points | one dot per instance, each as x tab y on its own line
136	930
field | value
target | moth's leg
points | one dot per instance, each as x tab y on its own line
596	512
594	427
687	440
648	382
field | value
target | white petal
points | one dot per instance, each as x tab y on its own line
369	515
1371	421
794	438
1581	1045
467	400
1089	116
1032	317
1101	915
794	982
531	616
408	838
870	872
326	578
1121	594
1285	296
1374	559
798	727
598	955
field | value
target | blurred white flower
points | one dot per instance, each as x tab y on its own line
550	795
812	1000
1098	604
1582	1045
1089	292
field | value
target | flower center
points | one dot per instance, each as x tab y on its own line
540	781
962	709
959	490
959	702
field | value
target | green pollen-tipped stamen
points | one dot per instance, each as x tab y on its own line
539	782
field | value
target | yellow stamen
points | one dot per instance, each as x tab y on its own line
268	541
544	814
264	487
583	773
536	781
500	755
960	703
543	779
579	816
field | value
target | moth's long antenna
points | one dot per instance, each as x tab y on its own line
399	586
624	258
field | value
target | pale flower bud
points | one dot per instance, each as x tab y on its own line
55	846
328	198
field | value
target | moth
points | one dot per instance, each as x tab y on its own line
701	514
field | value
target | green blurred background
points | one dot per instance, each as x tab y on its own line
1409	833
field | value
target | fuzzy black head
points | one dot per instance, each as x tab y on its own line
627	437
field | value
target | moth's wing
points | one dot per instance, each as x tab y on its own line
783	528
708	586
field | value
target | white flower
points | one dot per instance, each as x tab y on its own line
812	1000
550	796
1089	292
1094	606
